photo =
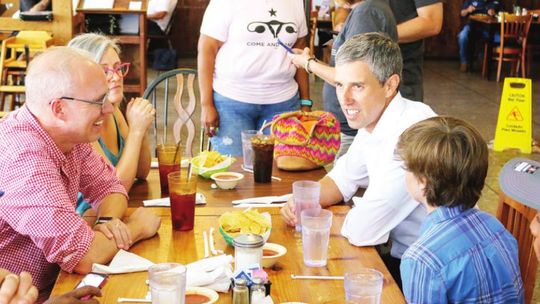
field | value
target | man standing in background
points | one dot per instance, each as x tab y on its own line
417	19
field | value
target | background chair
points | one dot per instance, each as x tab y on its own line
517	217
513	45
312	31
15	55
166	93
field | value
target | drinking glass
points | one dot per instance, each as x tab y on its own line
247	150
182	195
167	283
306	196
169	158
316	225
363	286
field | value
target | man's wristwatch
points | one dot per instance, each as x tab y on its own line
103	219
306	102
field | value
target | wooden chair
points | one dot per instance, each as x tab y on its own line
312	31
513	45
167	88
517	217
15	55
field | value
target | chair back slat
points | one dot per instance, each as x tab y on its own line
170	87
517	217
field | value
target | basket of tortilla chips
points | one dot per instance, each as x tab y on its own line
210	162
234	223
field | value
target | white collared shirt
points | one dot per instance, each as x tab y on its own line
386	210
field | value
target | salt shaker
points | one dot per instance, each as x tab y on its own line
247	250
258	291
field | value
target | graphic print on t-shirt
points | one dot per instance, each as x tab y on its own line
273	26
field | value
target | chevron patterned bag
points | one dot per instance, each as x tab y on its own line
305	140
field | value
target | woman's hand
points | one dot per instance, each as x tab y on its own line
300	57
209	119
140	114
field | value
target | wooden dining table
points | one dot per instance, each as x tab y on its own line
186	247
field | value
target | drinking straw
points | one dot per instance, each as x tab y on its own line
262	127
315	277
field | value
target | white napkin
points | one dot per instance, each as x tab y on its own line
200	199
262	200
123	262
135	5
214	273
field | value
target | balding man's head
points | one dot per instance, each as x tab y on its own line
57	72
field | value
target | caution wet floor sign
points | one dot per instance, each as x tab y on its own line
515	121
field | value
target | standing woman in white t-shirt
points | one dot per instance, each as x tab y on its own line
245	77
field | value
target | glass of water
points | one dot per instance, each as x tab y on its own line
316	224
167	283
363	286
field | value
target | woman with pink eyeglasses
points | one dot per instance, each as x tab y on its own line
124	141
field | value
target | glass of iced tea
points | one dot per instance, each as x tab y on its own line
169	159
263	157
182	193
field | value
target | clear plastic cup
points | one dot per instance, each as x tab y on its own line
306	195
316	224
247	150
167	283
363	286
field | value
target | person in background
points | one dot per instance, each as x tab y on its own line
367	76
123	140
46	159
416	19
159	15
18	289
342	9
35	5
474	7
520	179
365	16
463	255
245	77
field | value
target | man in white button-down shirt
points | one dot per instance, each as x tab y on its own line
368	74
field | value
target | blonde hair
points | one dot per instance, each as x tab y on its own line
95	44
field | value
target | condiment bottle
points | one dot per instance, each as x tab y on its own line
240	292
258	291
247	250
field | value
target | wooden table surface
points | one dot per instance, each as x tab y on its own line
246	188
187	247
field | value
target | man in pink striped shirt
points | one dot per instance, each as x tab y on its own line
46	159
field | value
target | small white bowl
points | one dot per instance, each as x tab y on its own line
269	261
207	292
227	180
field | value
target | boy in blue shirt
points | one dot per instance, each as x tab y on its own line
463	255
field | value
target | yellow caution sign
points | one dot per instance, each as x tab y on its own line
515	116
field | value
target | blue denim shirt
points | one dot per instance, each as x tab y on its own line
462	257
